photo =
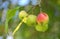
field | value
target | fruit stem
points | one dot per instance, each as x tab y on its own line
17	28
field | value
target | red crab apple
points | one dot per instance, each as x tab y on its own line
42	17
42	20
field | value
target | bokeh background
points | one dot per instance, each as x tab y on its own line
51	7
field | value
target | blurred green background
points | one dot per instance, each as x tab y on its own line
10	11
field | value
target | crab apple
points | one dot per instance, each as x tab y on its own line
31	20
23	14
42	17
23	2
41	28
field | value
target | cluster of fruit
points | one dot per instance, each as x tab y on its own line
40	22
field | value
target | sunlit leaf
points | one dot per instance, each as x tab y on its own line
11	13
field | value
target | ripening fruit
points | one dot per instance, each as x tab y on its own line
23	2
31	20
42	20
41	28
23	14
42	17
34	2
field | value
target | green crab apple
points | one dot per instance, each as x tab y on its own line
23	14
41	28
31	20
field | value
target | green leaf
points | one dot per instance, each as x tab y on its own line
11	13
